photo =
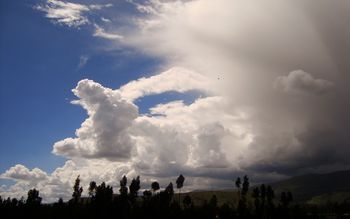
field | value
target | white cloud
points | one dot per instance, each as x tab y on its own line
103	134
174	79
67	13
299	81
100	32
105	20
21	173
99	7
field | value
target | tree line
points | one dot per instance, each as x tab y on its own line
258	201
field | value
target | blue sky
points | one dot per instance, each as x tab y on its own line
39	65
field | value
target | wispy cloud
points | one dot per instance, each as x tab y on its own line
83	60
67	13
100	32
105	20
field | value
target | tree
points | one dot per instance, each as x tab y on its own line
147	194
263	195
33	198
187	201
213	201
77	190
245	185
21	202
104	194
286	198
270	195
170	190
238	183
256	196
60	202
180	181
123	188
134	187
92	189
179	184
242	203
155	186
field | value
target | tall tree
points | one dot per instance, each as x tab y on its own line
170	190
179	184
286	198
77	190
256	195
92	189
123	188
238	183
270	195
134	187
187	201
245	185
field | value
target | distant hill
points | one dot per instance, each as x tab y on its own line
317	188
311	188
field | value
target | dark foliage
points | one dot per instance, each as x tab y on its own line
180	181
77	190
155	186
102	203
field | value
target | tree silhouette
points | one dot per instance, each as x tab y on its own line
33	198
263	195
238	183
92	189
245	185
270	195
155	186
286	198
242	203
103	204
147	194
170	190
213	201
256	195
179	184
123	188
77	190
180	181
104	194
134	187
187	201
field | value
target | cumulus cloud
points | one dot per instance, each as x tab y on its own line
22	173
67	13
249	54
300	81
103	134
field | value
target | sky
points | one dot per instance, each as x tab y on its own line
208	89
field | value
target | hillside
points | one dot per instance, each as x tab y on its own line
311	188
318	188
